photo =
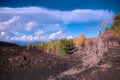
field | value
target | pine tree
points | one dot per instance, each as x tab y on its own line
28	47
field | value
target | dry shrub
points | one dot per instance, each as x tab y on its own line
88	42
111	37
93	54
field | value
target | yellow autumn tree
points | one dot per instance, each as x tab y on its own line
79	42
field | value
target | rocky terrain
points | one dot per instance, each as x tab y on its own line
17	63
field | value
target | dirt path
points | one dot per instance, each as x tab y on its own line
110	70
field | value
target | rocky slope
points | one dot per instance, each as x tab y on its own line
17	63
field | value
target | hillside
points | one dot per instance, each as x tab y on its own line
64	59
3	44
19	64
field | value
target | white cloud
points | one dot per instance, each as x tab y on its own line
39	32
5	25
27	19
69	37
23	10
23	38
31	26
6	35
30	38
46	15
52	27
2	33
55	35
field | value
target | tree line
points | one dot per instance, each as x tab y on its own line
62	46
59	47
65	47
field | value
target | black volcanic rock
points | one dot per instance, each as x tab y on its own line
4	44
17	63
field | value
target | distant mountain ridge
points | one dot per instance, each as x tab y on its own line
2	43
25	43
18	43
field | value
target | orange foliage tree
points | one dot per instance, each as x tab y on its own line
79	42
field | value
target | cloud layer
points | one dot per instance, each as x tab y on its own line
36	23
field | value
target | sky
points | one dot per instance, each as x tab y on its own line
45	20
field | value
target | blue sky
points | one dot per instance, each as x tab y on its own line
45	20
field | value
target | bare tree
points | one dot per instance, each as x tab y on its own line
93	54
